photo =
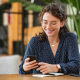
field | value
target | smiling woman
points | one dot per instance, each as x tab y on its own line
63	57
54	11
51	25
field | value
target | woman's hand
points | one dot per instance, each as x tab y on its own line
47	68
29	65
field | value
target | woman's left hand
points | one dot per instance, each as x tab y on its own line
47	68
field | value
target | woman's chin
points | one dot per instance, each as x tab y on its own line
49	35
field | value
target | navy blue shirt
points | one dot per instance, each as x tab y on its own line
67	54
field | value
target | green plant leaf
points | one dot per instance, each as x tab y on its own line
64	1
75	3
47	1
34	7
26	4
72	1
10	1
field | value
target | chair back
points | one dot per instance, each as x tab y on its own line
9	64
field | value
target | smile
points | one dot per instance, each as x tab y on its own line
49	31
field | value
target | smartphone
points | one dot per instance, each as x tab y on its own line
33	58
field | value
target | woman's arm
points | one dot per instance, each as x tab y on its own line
30	50
73	57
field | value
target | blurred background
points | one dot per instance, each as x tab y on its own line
19	22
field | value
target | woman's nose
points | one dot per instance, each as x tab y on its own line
48	26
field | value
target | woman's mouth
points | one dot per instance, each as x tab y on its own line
49	31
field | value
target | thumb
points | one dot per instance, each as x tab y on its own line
27	59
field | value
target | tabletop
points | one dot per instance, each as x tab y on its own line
30	77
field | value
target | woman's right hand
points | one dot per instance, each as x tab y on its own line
29	65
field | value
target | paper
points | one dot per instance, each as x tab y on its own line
56	74
40	75
47	75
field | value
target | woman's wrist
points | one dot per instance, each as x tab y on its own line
55	68
59	68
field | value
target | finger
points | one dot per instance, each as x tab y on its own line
43	70
42	63
34	67
32	62
30	65
27	59
41	67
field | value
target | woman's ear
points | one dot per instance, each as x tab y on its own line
62	23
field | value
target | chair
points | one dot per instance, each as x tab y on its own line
9	64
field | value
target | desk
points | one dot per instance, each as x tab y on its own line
30	77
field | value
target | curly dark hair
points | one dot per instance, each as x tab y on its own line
57	11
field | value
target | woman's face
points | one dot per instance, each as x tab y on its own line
51	25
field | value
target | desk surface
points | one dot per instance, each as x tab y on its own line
30	77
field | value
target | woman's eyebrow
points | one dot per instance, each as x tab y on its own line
54	21
51	21
44	20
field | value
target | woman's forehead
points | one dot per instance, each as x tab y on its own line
48	16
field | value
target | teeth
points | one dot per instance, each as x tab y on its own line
50	31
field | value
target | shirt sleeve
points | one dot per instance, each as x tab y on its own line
30	50
73	57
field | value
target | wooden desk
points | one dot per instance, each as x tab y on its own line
30	77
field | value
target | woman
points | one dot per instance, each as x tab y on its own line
55	48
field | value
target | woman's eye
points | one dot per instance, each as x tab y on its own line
45	22
53	23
